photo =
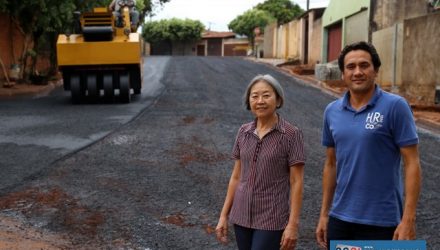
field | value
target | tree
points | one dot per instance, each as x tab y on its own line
173	30
38	21
283	10
246	23
146	7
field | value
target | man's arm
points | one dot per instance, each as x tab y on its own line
406	230
328	190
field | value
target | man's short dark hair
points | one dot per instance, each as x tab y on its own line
368	47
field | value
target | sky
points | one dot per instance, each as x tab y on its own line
216	14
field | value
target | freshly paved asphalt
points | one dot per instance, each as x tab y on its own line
153	174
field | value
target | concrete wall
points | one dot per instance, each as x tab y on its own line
293	39
389	45
239	44
282	41
389	12
421	60
315	40
203	42
410	58
244	41
356	27
339	9
269	40
184	49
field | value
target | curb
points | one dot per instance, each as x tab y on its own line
20	89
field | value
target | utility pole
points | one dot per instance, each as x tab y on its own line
308	2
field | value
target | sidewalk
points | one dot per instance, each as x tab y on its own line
24	89
426	117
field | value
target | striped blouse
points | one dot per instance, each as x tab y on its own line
261	199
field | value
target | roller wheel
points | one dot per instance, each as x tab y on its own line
108	88
76	90
124	88
92	88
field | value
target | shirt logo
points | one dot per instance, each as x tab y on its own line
374	120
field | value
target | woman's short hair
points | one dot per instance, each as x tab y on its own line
269	80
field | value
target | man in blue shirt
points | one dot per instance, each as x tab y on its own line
366	133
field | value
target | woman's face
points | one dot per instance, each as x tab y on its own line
263	100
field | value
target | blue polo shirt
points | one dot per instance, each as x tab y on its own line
367	142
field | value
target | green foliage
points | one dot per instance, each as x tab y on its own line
248	21
283	10
146	7
45	16
39	20
172	30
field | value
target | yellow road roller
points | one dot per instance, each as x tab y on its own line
102	61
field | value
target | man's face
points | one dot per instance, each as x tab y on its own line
359	73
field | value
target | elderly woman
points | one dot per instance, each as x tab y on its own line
264	195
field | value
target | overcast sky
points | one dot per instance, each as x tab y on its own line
216	14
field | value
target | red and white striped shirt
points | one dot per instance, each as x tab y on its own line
261	200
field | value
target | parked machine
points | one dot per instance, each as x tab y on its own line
103	59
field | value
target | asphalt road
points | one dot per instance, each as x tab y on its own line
37	131
153	174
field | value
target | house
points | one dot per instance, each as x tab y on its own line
311	36
216	43
405	34
167	47
212	43
282	41
298	40
343	22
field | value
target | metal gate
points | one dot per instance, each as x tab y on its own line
200	50
215	47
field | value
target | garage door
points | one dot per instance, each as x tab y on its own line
334	42
215	47
235	50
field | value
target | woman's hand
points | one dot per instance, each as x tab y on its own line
289	238
221	231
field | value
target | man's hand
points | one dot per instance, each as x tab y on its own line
321	232
405	231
